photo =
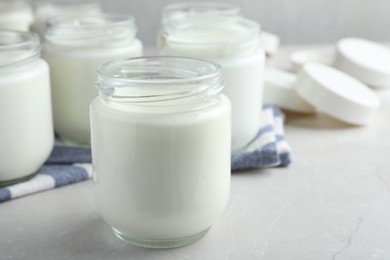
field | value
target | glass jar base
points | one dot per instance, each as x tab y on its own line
161	243
15	181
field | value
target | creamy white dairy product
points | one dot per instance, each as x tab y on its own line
46	10
243	85
234	43
15	15
161	149
26	132
73	68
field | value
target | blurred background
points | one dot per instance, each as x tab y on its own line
295	21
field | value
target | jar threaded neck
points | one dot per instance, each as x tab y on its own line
18	48
90	30
160	80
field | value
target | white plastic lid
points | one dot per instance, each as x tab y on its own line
269	42
365	60
278	90
337	94
300	58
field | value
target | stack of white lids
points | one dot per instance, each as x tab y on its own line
340	91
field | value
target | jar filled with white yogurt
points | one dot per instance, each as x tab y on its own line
234	43
49	9
15	15
26	132
161	149
75	48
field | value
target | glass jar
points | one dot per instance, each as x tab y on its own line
26	132
49	9
74	49
234	43
15	15
161	149
173	12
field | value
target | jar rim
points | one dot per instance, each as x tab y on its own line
6	5
213	34
46	9
89	29
74	21
25	45
158	78
186	8
105	69
66	3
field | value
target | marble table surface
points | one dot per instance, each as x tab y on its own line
333	202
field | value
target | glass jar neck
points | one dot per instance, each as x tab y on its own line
47	9
8	7
18	50
92	30
177	11
212	37
161	83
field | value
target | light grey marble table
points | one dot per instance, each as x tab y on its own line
333	202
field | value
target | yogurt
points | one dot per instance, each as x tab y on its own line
234	43
74	52
26	135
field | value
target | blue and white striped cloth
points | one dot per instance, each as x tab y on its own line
269	148
67	165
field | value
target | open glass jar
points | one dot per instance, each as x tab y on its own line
26	132
75	47
161	149
234	43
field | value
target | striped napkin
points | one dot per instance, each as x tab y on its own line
67	165
269	148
